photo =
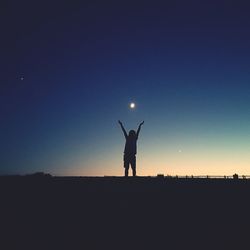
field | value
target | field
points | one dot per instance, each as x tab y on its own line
119	213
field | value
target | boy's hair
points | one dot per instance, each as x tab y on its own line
132	133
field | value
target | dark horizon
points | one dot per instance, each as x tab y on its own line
234	176
125	213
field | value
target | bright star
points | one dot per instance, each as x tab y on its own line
132	105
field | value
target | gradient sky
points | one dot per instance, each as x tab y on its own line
70	69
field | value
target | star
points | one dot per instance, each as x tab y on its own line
132	105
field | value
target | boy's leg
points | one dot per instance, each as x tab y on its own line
133	165
126	172
126	165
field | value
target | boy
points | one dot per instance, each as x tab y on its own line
130	148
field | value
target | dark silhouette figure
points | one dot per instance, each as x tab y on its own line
130	150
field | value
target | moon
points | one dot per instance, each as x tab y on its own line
132	105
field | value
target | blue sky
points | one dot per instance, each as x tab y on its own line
70	70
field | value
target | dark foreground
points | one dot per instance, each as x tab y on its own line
118	213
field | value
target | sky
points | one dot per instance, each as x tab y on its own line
69	70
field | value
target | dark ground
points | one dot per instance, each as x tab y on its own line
119	213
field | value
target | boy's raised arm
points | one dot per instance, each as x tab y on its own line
139	129
123	129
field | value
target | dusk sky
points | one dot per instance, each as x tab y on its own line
70	69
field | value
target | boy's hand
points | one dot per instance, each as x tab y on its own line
119	122
142	123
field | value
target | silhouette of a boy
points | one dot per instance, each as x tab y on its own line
130	150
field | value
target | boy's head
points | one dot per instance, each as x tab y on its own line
132	133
